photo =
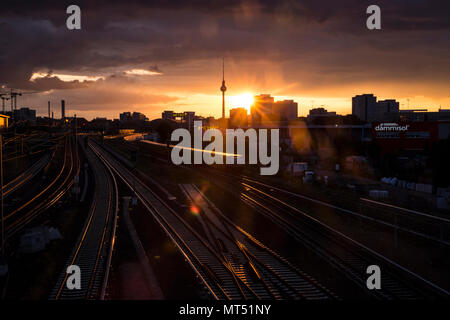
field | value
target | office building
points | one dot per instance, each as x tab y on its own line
364	107
238	118
386	109
285	110
125	116
137	116
389	105
409	136
261	109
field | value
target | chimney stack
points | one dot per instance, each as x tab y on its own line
63	109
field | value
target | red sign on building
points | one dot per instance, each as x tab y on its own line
395	137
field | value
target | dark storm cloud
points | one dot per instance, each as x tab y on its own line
54	82
400	13
154	68
120	35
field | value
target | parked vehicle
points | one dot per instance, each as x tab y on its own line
298	168
309	176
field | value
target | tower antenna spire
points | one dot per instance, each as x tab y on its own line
223	88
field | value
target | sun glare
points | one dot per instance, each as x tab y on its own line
244	100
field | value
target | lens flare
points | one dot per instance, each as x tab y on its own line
194	210
244	100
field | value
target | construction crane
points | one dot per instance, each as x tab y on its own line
4	97
13	95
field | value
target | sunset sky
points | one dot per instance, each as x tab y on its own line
151	56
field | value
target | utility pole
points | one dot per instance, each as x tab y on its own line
49	113
12	100
1	182
12	108
76	179
15	100
76	138
3	264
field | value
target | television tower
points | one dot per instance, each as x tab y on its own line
223	88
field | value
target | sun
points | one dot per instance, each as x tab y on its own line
244	100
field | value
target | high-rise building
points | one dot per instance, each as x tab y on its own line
388	105
238	118
137	116
125	116
364	107
285	110
387	110
261	109
368	109
63	109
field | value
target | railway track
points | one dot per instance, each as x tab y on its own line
426	227
251	259
19	218
93	250
347	255
342	252
25	176
230	263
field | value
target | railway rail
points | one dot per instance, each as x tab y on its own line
423	226
25	176
418	224
231	264
344	253
19	218
249	258
93	250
